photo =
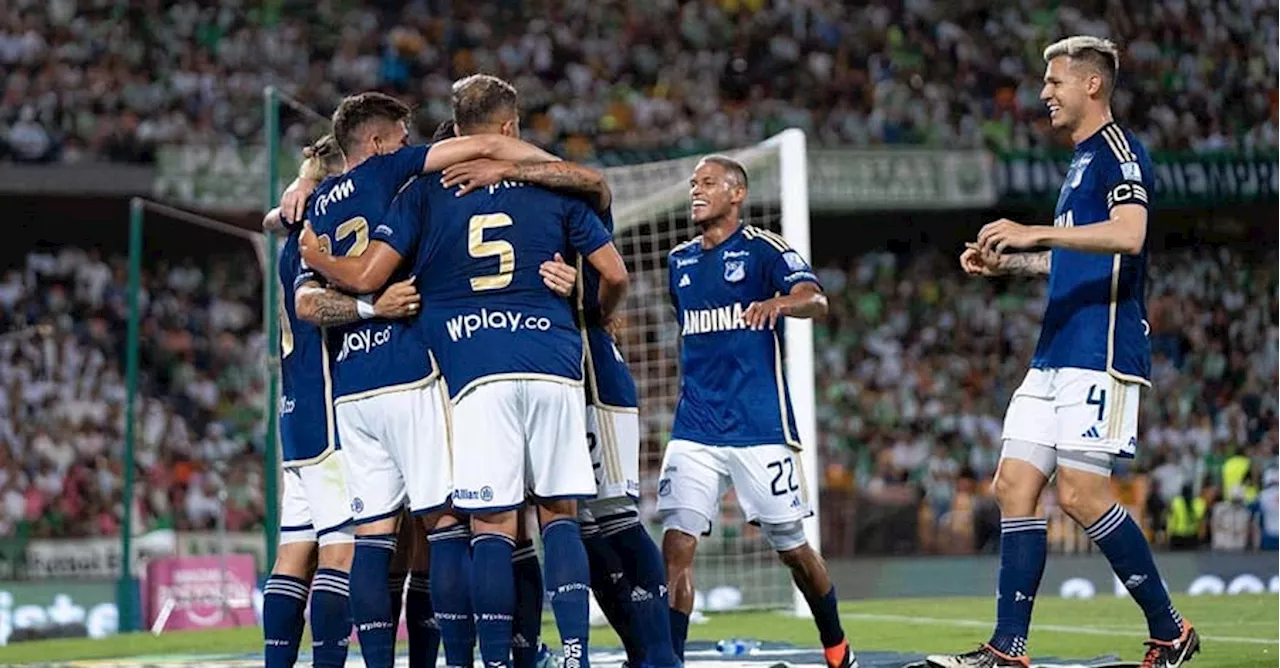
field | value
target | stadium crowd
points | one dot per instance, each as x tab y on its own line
105	80
915	367
63	393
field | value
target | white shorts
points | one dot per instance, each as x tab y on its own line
768	479
614	439
520	435
398	451
314	502
1075	409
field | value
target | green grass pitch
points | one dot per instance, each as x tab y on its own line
1238	631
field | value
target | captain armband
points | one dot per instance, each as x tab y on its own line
1127	192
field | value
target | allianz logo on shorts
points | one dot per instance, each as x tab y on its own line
485	494
464	326
363	341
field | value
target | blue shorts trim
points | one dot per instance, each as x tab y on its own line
488	509
563	497
298	527
429	510
375	518
337	527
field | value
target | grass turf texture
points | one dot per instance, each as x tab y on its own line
1238	631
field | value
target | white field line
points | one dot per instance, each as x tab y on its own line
1055	628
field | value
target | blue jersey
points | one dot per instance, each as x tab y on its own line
733	389
346	212
307	433
489	315
1096	313
609	381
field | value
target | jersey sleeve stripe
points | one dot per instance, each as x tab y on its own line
777	237
1119	143
756	233
687	244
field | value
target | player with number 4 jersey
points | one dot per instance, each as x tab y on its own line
1076	411
732	286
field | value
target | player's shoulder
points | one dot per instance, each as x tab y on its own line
771	242
687	248
1122	145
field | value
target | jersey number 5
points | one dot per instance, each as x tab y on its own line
480	249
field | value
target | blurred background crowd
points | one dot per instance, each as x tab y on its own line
88	80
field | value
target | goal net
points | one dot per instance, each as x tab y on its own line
736	568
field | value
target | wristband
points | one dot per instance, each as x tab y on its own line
364	307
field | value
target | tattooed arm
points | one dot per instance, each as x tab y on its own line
324	307
569	177
1025	264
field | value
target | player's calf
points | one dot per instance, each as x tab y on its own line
611	587
493	587
451	594
568	579
331	616
284	599
643	567
681	529
810	574
370	600
420	618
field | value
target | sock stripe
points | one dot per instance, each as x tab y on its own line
384	541
451	533
612	530
480	537
278	577
1109	522
1020	525
422	586
524	553
332	589
589	529
274	591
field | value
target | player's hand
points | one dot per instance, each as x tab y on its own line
308	243
559	276
977	263
614	327
474	174
399	300
1004	233
293	204
760	315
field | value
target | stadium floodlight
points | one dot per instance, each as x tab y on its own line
651	215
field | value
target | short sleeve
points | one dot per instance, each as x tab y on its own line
407	162
402	226
587	233
1127	178
789	270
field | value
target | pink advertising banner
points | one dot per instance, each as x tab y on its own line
201	592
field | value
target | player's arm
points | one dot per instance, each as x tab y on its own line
327	308
589	237
977	263
360	274
272	223
801	294
568	177
1124	232
451	151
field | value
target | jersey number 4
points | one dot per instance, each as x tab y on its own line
1097	398
480	249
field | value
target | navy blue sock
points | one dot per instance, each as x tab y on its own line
568	579
826	615
330	618
420	617
1121	540
1023	548
395	592
643	566
284	597
493	596
612	589
371	601
451	593
525	640
679	631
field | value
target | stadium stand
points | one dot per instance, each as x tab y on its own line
94	80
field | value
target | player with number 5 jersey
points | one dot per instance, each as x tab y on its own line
732	286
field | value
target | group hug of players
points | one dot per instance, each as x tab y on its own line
448	356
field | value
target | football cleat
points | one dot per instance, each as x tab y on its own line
1172	653
983	657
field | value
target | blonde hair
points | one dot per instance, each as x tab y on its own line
1100	53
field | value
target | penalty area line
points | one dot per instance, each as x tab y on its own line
1054	628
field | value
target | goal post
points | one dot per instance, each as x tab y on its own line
651	203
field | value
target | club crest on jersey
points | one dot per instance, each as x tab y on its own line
1078	169
735	270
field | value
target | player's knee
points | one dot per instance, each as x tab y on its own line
786	539
603	509
685	523
336	550
296	559
1083	495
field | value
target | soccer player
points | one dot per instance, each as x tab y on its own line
389	410
487	105
1077	409
315	505
627	573
731	287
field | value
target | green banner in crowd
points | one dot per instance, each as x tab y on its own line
1190	180
217	177
898	179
